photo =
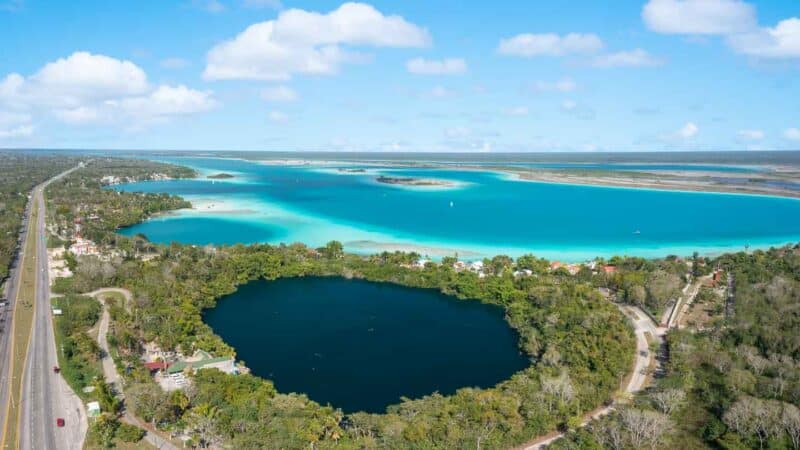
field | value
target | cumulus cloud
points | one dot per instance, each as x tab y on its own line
15	125
562	85
279	94
779	42
633	58
167	101
793	134
530	45
699	16
750	135
72	81
88	88
307	42
449	66
79	115
736	20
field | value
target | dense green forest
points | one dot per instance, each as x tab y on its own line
19	173
735	384
579	344
81	197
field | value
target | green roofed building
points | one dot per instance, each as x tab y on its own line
202	360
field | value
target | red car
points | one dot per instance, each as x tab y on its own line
60	422
56	369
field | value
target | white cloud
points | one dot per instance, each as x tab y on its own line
562	85
304	42
277	117
550	44
168	101
750	135
449	66
79	115
15	125
517	111
699	16
780	42
793	134
633	58
279	94
174	63
569	105
688	131
72	81
87	88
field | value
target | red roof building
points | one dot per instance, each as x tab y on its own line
155	366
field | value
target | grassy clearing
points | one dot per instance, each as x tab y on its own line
119	445
22	326
78	352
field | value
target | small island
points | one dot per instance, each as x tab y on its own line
351	170
407	181
220	176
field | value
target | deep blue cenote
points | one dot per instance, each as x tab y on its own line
360	346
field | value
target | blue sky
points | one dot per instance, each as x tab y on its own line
652	75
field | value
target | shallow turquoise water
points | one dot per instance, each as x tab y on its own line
360	346
487	214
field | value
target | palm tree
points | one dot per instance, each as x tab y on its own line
202	424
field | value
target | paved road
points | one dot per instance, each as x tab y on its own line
642	325
6	321
110	370
46	395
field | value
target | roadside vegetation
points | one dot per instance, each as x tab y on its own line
19	173
78	353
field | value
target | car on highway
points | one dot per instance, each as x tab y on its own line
56	369
60	422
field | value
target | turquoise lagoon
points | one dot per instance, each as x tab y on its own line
482	214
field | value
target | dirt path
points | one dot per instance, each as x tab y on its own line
110	370
643	325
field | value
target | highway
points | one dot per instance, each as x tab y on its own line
6	320
45	395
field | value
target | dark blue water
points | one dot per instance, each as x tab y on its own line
360	346
490	215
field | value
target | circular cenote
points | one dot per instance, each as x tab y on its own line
361	346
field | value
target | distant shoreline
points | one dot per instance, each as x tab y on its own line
679	183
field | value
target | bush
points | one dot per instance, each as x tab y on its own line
129	433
